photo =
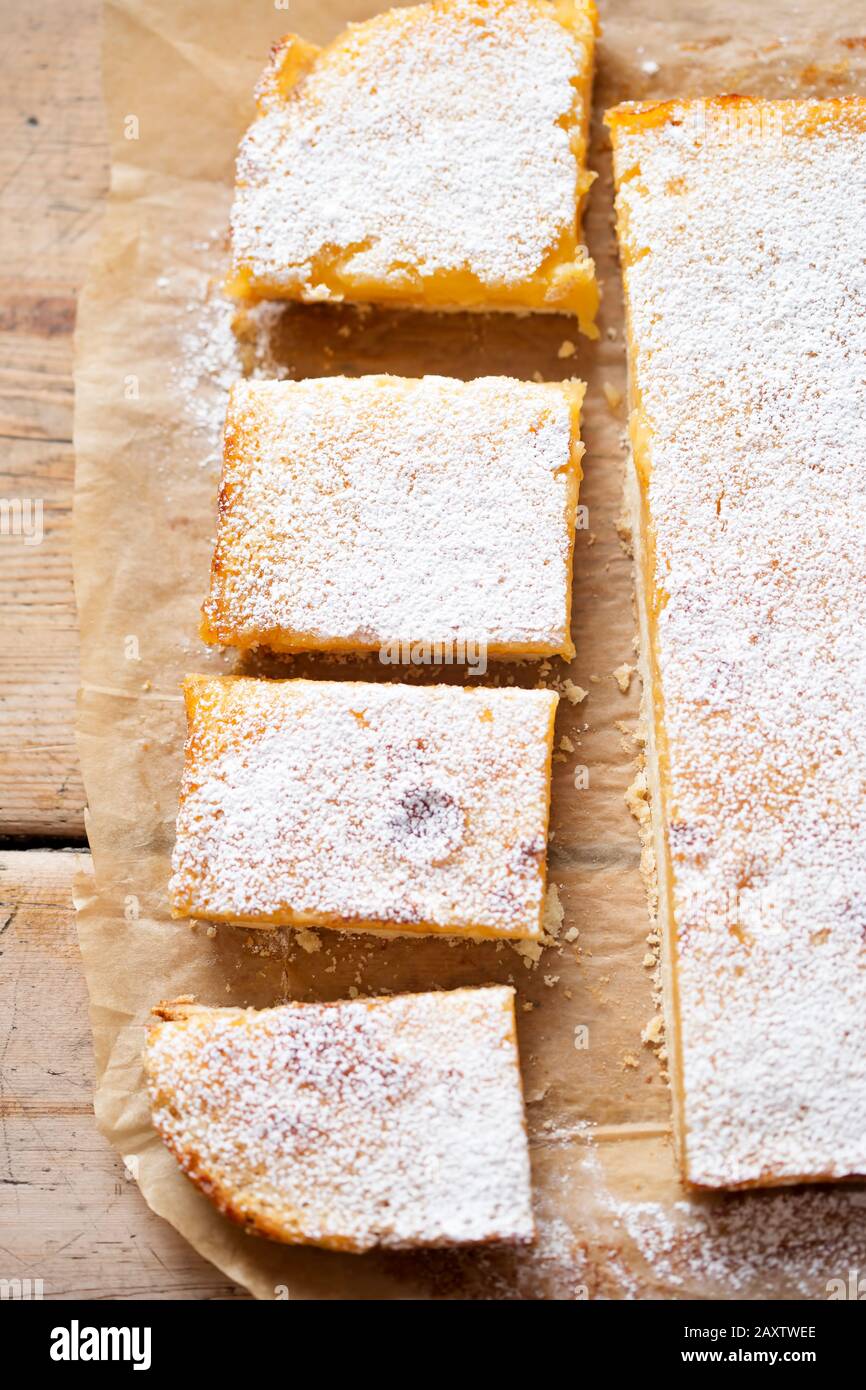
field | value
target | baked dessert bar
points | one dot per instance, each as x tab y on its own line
743	247
369	1122
378	512
432	157
364	805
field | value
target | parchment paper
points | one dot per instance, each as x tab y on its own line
155	355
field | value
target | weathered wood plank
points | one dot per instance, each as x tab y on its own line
69	1214
53	174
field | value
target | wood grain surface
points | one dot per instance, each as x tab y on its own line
53	172
69	1214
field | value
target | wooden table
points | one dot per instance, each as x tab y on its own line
68	1214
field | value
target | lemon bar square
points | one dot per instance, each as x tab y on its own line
432	157
364	806
390	1122
379	512
743	246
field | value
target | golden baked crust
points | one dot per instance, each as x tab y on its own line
432	157
393	1122
373	513
742	251
364	806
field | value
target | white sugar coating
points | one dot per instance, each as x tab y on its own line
797	1244
745	238
364	512
391	1122
434	139
345	803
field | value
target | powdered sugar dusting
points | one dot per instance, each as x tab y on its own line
392	1122
399	156
211	360
744	229
352	804
596	1240
373	511
804	1244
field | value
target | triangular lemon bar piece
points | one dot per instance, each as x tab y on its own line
391	1122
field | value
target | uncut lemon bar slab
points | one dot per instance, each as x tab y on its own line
743	240
363	805
392	1122
376	512
432	157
